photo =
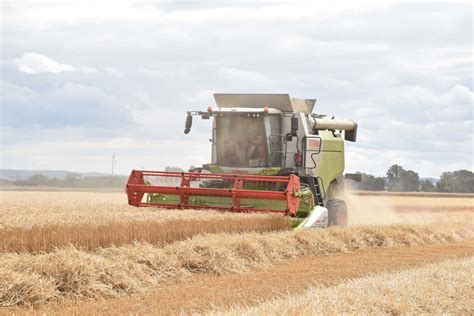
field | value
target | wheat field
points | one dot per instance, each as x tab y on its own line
37	222
438	288
32	209
58	248
38	239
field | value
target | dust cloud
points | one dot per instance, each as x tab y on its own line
383	210
372	210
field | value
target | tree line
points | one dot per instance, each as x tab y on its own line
71	180
398	179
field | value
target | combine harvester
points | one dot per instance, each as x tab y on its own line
270	154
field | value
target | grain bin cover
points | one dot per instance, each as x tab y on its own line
280	102
303	105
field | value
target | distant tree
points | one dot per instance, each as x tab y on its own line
465	180
38	179
399	179
379	184
457	181
427	186
71	179
371	183
54	182
409	180
393	178
446	182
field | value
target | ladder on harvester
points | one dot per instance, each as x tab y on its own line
315	184
318	196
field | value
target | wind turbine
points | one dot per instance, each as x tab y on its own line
114	164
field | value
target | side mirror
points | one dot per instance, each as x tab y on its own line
294	125
189	123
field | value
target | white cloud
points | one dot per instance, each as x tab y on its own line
243	77
115	72
18	95
402	70
88	70
461	95
33	63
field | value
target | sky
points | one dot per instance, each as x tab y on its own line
81	80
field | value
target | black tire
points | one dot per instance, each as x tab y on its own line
337	212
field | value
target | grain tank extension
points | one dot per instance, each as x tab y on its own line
270	153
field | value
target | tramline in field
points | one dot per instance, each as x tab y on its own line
270	153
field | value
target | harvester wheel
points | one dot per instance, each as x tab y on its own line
336	189
337	212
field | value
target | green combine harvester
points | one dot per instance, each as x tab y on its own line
270	153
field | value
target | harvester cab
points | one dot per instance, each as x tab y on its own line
270	153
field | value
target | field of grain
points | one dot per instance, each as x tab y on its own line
61	249
33	209
439	288
42	221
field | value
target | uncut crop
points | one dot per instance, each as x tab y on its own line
117	271
89	236
35	209
43	221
